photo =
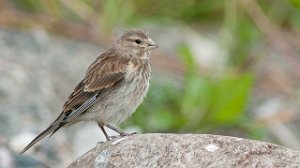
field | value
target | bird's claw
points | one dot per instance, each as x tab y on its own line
112	137
123	134
127	134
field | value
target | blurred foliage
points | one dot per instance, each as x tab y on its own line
203	103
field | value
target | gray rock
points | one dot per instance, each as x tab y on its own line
187	150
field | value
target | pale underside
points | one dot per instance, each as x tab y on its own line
117	104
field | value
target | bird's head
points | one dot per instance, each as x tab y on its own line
137	43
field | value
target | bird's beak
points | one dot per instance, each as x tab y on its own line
151	44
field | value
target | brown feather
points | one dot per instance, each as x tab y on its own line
104	73
100	75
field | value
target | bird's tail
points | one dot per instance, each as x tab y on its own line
56	125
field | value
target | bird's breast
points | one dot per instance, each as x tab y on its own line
124	99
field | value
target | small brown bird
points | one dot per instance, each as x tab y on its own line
114	86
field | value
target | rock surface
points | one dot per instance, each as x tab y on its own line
187	150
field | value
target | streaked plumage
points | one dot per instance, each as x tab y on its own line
113	87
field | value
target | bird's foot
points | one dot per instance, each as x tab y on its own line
110	138
100	142
127	134
123	134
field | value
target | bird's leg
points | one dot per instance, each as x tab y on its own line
101	125
122	133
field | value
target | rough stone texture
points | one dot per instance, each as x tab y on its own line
187	150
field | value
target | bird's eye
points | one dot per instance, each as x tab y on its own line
137	41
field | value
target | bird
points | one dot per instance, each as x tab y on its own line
114	85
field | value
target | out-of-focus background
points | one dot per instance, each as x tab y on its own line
223	67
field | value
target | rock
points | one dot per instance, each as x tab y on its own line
187	150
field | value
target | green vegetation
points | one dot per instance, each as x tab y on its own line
203	104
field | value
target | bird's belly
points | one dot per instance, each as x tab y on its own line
118	104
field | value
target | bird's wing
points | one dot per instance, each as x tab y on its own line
104	73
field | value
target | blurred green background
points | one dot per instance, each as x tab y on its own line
258	63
